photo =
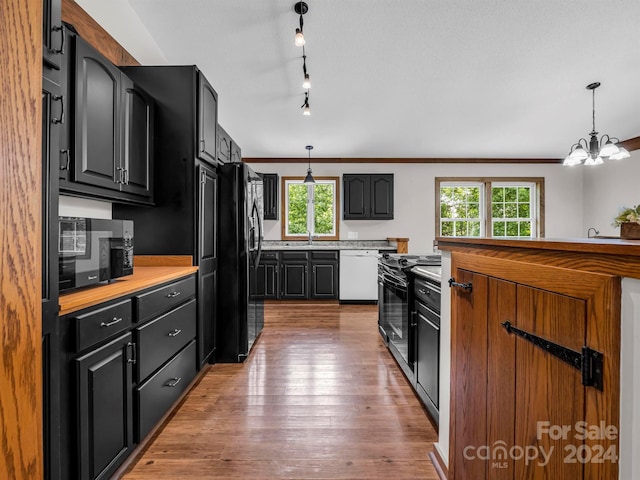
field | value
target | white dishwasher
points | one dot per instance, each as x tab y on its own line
359	275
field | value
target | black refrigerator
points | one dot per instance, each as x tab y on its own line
240	310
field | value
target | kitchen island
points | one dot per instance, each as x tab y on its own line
514	313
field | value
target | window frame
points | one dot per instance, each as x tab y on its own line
486	184
285	202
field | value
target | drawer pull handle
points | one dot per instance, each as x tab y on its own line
173	382
173	294
424	292
112	322
134	351
175	333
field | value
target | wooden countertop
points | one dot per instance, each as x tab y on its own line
143	277
611	256
607	246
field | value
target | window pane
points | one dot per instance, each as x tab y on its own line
511	210
497	194
473	210
474	229
497	210
297	208
323	208
498	229
512	229
524	194
446	229
445	210
523	210
525	229
510	194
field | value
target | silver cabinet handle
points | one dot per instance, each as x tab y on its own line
175	332
67	162
173	382
134	350
112	322
173	294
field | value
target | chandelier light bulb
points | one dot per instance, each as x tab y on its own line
299	38
306	111
608	149
307	81
622	153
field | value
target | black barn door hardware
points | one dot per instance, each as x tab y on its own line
589	361
466	286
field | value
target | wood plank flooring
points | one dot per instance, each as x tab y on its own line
320	397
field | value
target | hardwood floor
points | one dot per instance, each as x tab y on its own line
319	397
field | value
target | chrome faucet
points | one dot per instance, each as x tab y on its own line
595	232
309	238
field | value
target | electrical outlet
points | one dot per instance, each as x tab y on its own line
352	235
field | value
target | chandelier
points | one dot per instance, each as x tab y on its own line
302	8
595	151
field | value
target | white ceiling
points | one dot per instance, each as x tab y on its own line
401	78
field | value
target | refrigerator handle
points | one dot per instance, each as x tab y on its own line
259	254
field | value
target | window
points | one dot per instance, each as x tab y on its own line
490	207
310	208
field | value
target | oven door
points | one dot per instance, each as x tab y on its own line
396	320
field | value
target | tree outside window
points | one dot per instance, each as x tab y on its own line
310	208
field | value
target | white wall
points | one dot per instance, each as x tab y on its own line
607	188
414	186
630	380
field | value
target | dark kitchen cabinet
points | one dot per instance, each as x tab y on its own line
184	218
368	196
323	281
268	285
298	274
270	185
293	275
207	120
51	120
236	152
105	408
108	148
224	146
52	38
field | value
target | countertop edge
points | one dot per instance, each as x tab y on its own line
142	278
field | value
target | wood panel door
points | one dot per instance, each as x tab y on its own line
517	410
207	121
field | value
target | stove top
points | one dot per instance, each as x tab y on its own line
403	261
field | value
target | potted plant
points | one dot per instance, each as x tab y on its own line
629	221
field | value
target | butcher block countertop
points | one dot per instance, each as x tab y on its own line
148	271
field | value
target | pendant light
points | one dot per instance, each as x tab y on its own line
595	152
309	178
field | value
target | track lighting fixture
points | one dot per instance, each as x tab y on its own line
595	151
309	178
300	8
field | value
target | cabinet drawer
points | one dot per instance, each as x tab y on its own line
427	293
156	395
269	256
160	339
297	255
97	325
164	298
324	255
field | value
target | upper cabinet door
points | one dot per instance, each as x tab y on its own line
207	120
137	139
52	35
270	183
382	196
356	196
97	110
224	145
236	153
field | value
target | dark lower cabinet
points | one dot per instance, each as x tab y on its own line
268	284
324	275
105	407
293	274
297	274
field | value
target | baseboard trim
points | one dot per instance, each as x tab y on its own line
439	464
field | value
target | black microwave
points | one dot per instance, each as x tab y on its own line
93	250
